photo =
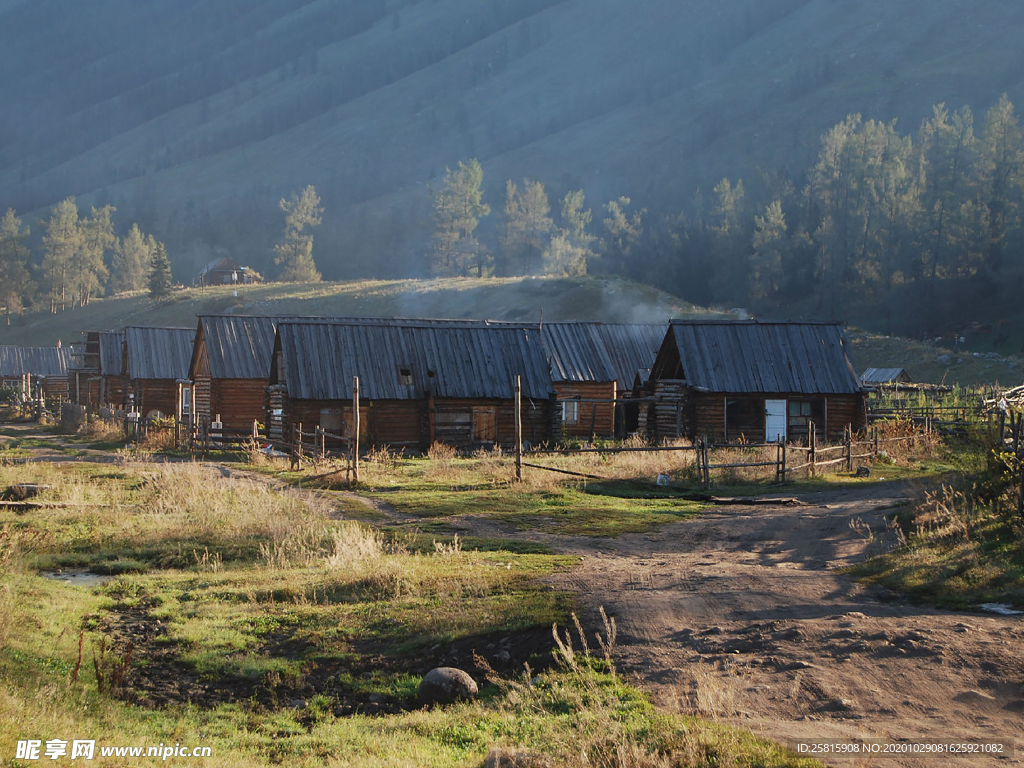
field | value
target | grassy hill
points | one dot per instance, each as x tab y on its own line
527	299
195	118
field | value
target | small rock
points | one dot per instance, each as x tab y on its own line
856	615
714	631
843	633
503	657
445	685
973	697
343	711
297	704
377	698
801	665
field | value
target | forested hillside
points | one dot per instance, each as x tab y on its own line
194	119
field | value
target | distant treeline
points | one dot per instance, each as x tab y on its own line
912	227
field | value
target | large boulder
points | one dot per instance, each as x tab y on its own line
445	685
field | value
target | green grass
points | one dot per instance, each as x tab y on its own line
959	554
240	602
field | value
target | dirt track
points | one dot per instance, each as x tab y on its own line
740	613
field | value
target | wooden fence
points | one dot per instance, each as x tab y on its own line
813	458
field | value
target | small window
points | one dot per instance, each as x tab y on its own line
405	376
570	412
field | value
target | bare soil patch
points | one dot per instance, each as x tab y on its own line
742	613
158	677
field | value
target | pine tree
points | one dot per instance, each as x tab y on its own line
131	260
569	250
295	251
89	271
16	286
766	260
623	231
159	273
528	227
61	244
458	207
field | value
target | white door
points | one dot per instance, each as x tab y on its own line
774	420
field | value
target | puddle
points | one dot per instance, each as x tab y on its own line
82	578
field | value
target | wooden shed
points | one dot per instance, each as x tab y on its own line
225	271
420	381
230	368
96	375
156	362
46	365
752	381
593	369
874	377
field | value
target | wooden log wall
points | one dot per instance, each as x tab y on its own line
55	386
112	391
276	411
406	423
201	399
592	418
238	401
670	409
152	395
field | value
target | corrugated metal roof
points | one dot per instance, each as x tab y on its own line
471	360
600	351
39	361
238	347
884	375
158	353
111	353
800	358
241	346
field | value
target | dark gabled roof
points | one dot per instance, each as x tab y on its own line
464	360
237	347
158	353
241	346
112	353
735	357
885	375
39	361
221	263
601	352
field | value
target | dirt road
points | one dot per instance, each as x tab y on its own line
741	614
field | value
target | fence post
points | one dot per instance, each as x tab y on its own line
355	432
874	431
782	443
519	428
298	446
813	447
848	439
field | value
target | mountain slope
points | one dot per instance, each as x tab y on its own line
195	117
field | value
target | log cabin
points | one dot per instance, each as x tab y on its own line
96	377
593	369
47	366
230	368
420	381
751	381
156	362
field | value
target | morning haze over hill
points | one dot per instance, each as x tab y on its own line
710	142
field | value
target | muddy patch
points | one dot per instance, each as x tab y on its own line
158	676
